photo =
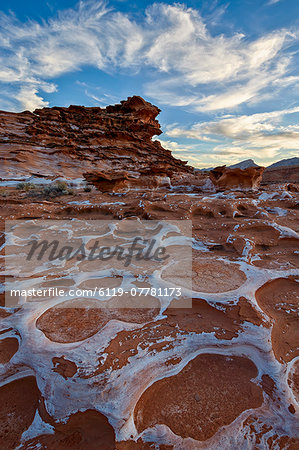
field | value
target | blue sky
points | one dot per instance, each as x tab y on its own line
224	74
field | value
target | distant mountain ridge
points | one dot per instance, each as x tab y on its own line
291	162
284	171
244	164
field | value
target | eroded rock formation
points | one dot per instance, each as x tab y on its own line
225	178
68	142
121	181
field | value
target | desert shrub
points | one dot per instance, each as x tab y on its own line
60	186
4	193
25	186
52	190
87	188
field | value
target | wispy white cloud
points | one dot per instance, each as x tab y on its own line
261	136
235	127
273	2
190	67
29	99
33	54
234	70
184	152
102	100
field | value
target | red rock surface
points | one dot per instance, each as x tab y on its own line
203	397
19	401
88	429
244	308
8	347
280	300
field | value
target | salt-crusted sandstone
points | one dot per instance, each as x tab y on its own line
219	372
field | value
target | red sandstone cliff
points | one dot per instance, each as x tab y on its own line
71	141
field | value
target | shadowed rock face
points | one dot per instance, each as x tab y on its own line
225	178
68	142
282	174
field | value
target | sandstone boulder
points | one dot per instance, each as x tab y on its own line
225	178
122	181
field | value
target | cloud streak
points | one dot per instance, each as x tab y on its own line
273	2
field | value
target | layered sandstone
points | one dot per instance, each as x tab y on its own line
101	142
